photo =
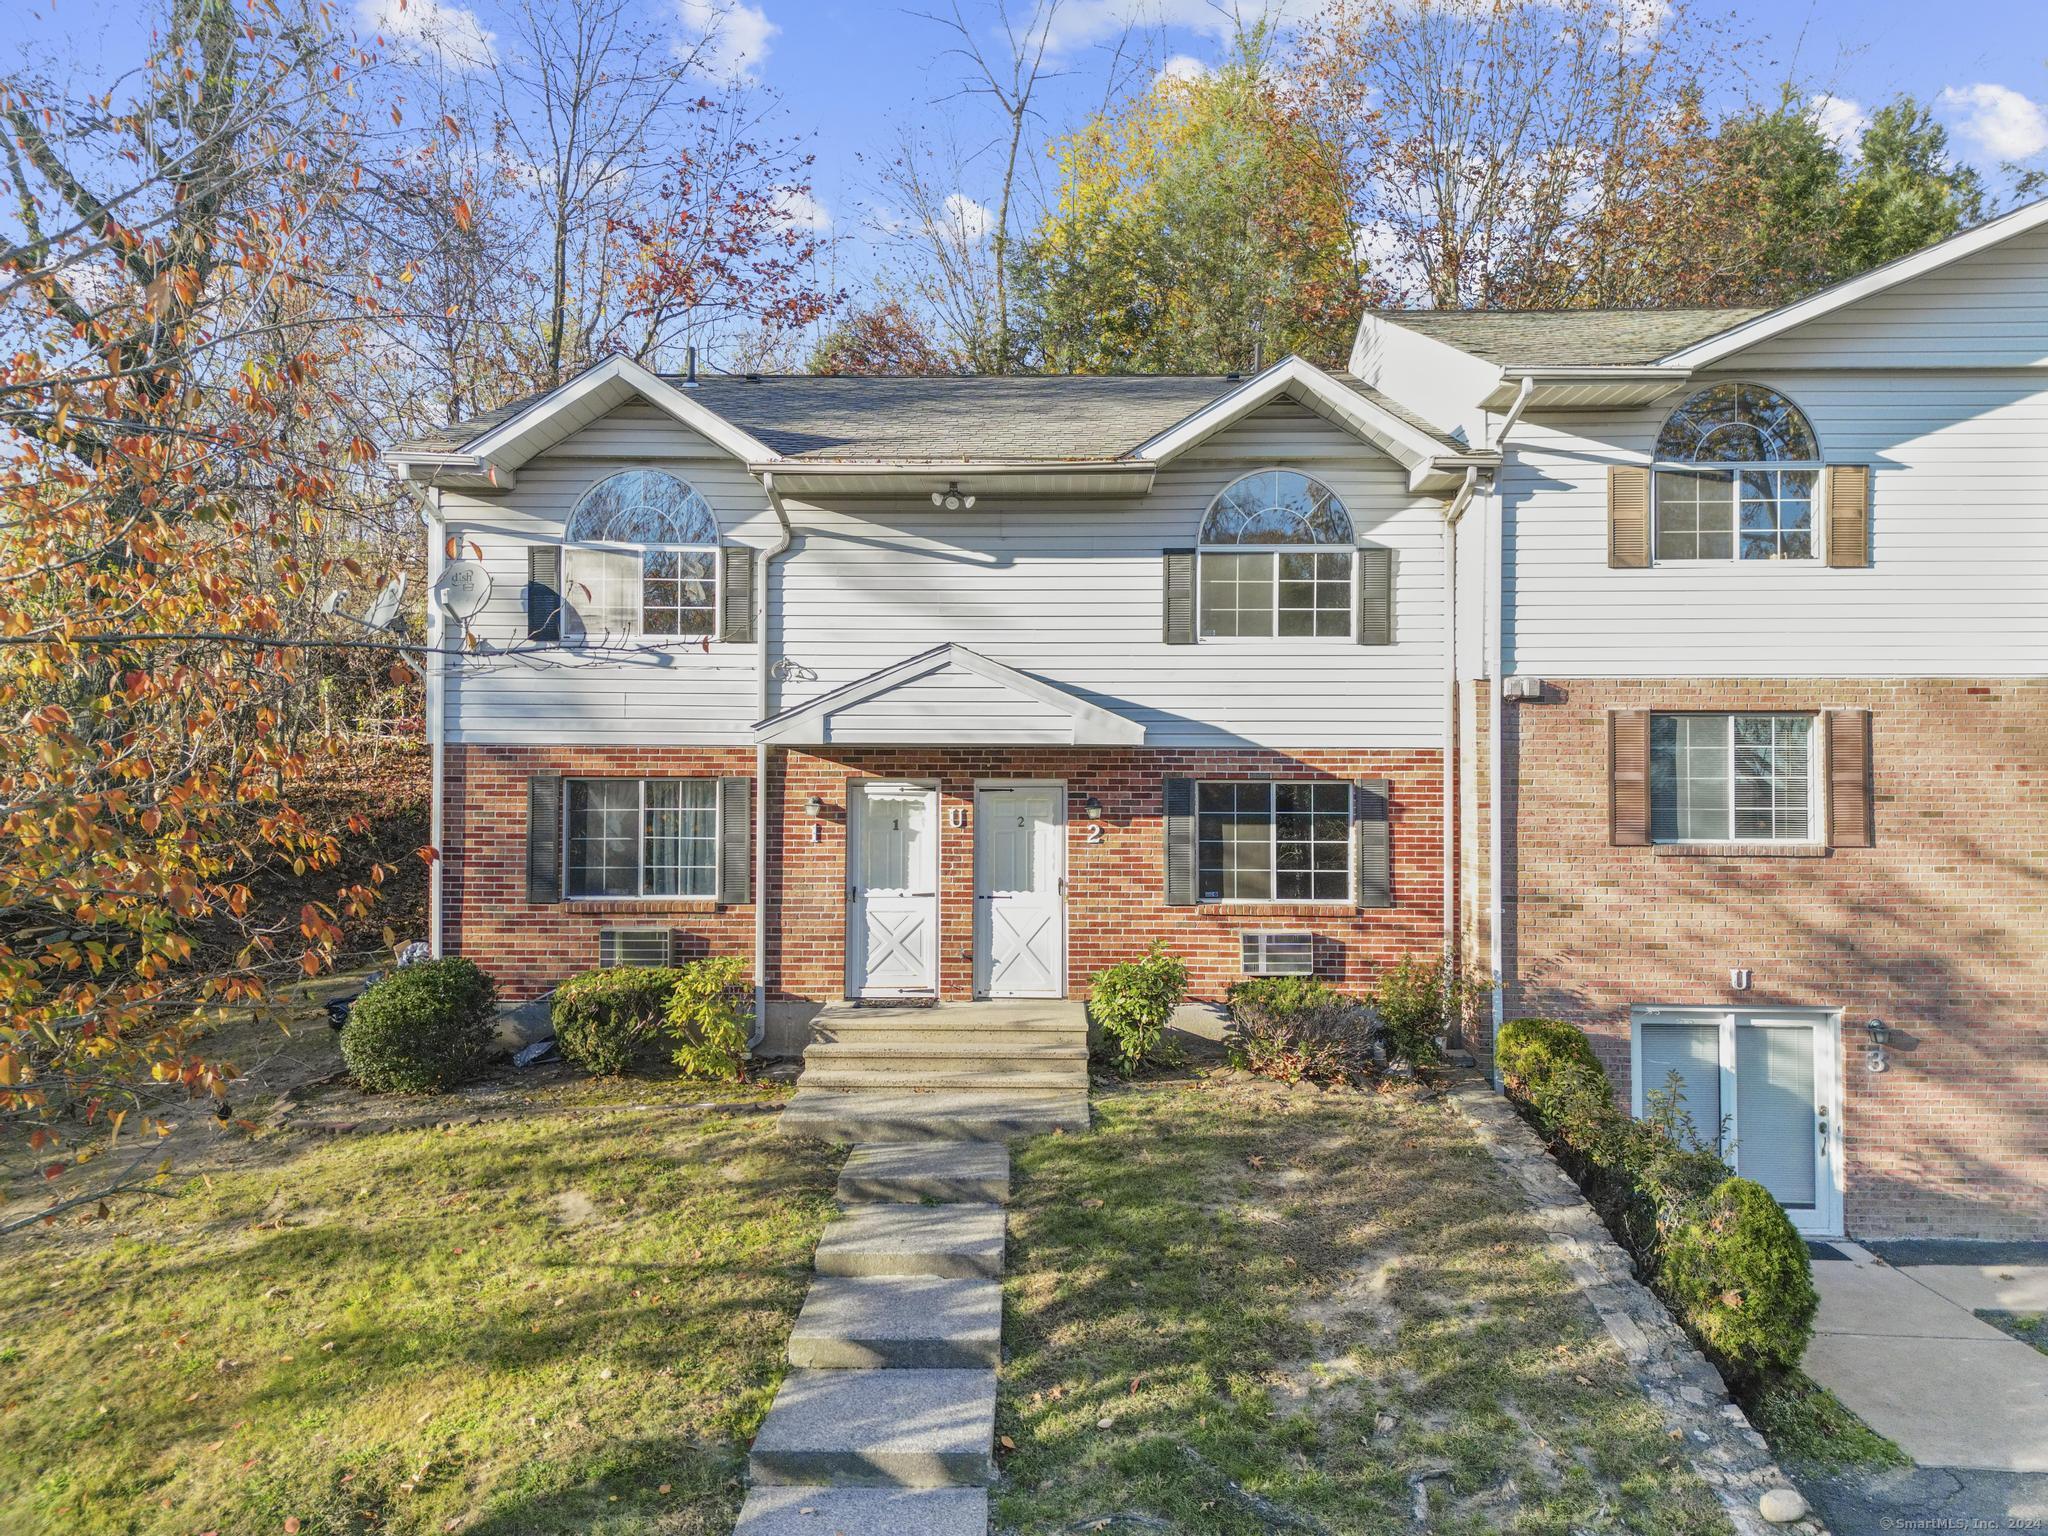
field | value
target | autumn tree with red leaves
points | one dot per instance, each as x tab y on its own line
167	484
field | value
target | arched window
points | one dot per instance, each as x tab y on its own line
1736	468
640	557
1276	559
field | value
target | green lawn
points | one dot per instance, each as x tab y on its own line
569	1317
1234	1307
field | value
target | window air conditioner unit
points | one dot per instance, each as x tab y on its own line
635	948
1279	954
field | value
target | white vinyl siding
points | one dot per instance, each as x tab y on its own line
1067	590
1959	540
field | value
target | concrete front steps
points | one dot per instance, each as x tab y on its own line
886	1424
995	1071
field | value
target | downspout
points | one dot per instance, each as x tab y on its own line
763	669
437	725
1496	900
1452	513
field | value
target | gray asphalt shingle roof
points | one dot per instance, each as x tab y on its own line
1569	338
946	419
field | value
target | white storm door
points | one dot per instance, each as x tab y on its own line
894	881
1020	868
1786	1124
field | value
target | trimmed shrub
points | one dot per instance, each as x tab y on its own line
1132	1002
1740	1277
608	1021
708	1015
1413	1005
1298	1029
425	1029
1720	1250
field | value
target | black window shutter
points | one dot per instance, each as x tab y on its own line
543	592
735	820
1178	567
736	594
544	838
1180	842
1372	844
1375	595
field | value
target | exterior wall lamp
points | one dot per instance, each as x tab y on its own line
1092	808
1880	1033
814	807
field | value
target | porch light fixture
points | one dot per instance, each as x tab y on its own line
814	807
952	498
1092	808
1880	1033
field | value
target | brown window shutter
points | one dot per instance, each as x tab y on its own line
1850	824
1848	499
1628	777
1628	517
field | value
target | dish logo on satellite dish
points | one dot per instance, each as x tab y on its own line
463	588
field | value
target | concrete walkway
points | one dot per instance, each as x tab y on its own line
886	1423
1903	1348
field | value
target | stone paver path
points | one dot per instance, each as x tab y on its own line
886	1421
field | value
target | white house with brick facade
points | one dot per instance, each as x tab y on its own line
986	683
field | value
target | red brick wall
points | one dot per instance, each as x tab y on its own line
1115	888
1941	929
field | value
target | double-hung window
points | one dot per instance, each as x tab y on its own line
640	557
1736	474
1732	779
641	837
1273	842
1276	559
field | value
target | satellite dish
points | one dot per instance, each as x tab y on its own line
463	589
385	608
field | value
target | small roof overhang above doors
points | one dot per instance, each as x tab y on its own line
949	696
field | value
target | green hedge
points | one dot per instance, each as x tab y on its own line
609	1021
424	1029
1131	1004
1718	1249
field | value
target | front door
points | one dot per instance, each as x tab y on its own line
893	889
1020	868
1768	1081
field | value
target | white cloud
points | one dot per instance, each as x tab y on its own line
2004	123
970	220
1182	66
1840	119
736	35
450	35
803	210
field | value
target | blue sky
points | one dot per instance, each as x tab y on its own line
852	72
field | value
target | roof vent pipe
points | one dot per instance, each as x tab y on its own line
689	367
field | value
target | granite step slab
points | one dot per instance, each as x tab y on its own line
1006	1114
912	1172
949	1241
904	1429
898	1322
806	1511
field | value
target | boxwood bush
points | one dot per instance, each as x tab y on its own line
609	1021
1132	1002
1720	1250
424	1029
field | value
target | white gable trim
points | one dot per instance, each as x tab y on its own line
593	392
1091	725
1322	394
1715	348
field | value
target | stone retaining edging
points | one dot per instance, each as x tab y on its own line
1731	1457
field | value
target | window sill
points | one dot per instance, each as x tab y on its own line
636	906
1274	908
1741	850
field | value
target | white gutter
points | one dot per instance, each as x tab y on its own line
1452	513
437	726
763	667
1496	903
